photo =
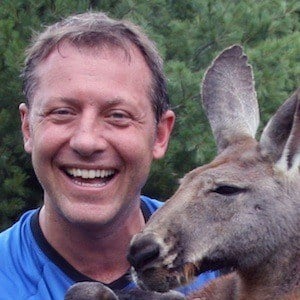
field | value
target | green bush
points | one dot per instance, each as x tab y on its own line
189	34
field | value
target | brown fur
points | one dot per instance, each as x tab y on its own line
242	210
226	288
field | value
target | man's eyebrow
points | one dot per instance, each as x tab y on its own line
64	99
115	101
75	101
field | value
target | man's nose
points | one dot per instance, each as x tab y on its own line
88	138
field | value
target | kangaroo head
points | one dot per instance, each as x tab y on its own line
242	207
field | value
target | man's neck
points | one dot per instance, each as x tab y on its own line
99	254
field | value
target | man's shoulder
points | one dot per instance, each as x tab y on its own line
152	204
14	233
25	270
13	244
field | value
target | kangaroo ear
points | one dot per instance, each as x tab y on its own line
229	97
280	139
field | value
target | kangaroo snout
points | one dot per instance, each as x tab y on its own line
143	250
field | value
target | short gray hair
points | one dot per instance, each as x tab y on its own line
94	29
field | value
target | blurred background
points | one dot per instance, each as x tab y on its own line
189	34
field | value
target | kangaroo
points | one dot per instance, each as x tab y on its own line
240	211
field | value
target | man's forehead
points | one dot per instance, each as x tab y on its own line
127	50
68	58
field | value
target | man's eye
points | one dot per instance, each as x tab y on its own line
228	190
118	115
119	118
62	111
61	115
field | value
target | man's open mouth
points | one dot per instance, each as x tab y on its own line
90	178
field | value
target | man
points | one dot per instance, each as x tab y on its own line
96	115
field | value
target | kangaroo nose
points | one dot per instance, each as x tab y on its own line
143	250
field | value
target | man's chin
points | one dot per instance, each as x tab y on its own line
90	218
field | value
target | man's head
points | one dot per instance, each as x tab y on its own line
96	30
90	124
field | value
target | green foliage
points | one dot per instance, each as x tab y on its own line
189	34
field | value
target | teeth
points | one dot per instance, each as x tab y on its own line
92	173
89	174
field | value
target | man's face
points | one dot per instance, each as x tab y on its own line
91	132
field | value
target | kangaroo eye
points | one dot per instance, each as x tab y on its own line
228	190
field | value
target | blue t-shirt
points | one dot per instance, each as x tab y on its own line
31	269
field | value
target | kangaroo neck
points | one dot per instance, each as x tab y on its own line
273	279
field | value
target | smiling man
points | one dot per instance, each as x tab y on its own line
96	115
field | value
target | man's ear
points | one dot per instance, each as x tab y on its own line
27	139
164	129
